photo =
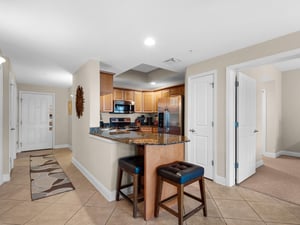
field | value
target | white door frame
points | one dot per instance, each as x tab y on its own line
230	104
1	124
215	128
20	115
264	120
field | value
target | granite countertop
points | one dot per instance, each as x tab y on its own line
139	138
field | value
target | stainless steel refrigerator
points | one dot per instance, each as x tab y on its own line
170	115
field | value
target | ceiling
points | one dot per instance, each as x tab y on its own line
47	41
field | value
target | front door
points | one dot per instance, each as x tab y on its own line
200	125
37	118
246	129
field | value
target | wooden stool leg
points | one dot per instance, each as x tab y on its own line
203	196
135	194
119	181
180	199
159	184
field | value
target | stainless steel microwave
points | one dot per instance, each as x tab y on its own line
123	106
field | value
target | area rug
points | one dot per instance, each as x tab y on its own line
47	177
278	177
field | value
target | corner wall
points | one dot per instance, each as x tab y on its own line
291	111
220	63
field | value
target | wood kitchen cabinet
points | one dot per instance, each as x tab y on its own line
138	101
148	102
165	93
128	95
156	96
118	94
106	83
177	90
106	103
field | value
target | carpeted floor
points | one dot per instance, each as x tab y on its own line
278	177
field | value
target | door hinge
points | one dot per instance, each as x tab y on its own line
237	83
236	165
236	124
212	123
212	162
21	144
212	85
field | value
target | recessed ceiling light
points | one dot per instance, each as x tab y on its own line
152	83
149	41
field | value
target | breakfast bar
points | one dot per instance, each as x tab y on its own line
158	149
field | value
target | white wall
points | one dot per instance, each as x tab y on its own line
291	111
220	63
62	95
96	158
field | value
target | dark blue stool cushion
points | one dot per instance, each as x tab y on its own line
180	172
133	164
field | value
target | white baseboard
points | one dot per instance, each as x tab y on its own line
5	178
283	152
220	180
259	163
109	195
62	146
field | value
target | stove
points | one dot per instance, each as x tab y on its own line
122	123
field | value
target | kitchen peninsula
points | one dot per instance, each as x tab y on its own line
158	148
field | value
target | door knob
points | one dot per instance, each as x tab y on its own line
192	130
255	131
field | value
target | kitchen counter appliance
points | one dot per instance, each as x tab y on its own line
122	123
170	115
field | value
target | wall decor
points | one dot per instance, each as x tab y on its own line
79	101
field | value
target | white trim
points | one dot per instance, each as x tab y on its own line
214	74
280	153
5	178
230	127
230	113
1	124
259	163
264	120
109	195
220	180
62	146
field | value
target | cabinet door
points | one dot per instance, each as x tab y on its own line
138	100
148	101
106	83
165	93
178	90
157	96
128	95
106	103
118	94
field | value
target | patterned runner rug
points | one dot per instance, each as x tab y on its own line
47	177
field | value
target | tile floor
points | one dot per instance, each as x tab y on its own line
86	206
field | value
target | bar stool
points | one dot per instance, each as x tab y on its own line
180	174
134	166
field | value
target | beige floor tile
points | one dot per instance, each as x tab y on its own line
5	205
254	196
76	197
22	213
50	199
274	213
223	192
15	192
120	217
97	200
196	220
243	222
233	209
91	216
212	209
56	214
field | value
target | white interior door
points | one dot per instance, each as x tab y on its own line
12	122
200	125
246	131
1	124
37	120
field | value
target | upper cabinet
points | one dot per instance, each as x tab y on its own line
148	101
138	101
177	90
106	83
128	95
118	94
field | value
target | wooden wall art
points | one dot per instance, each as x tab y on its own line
79	101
